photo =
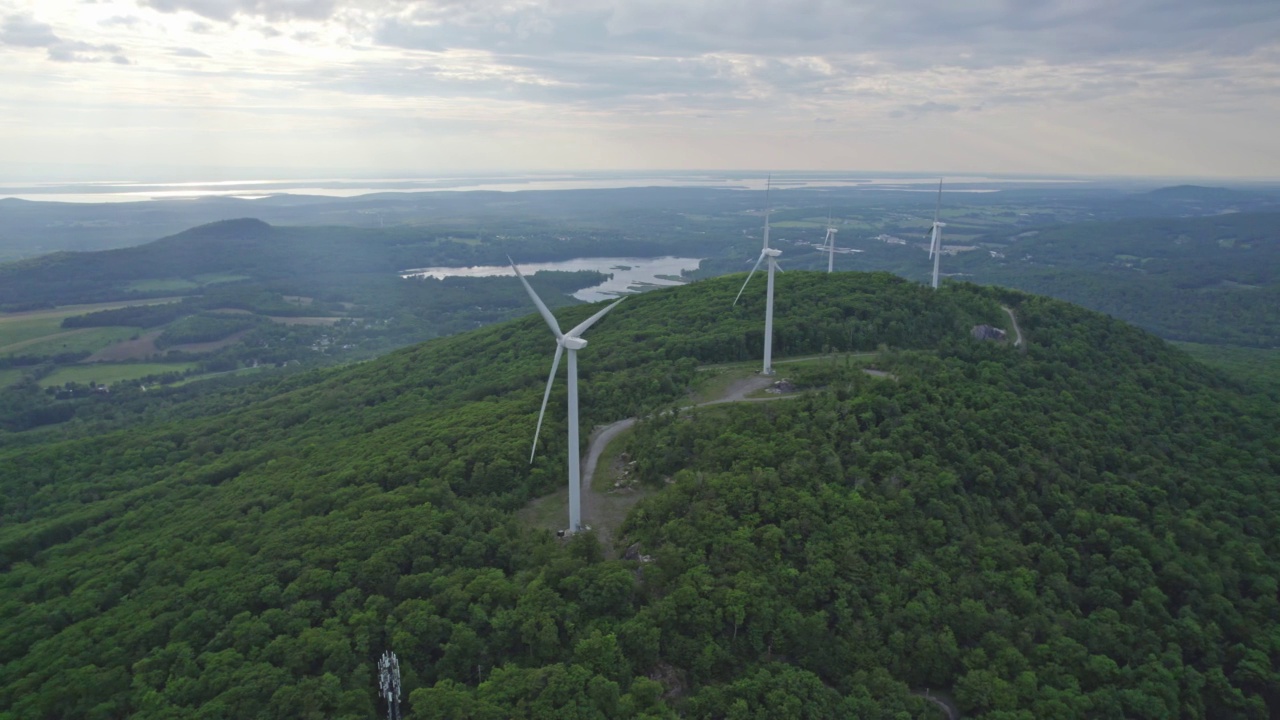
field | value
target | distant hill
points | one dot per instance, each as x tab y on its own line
1195	192
1088	527
313	258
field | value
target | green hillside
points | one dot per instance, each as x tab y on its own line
1085	528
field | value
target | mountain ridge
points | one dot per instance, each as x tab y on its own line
1022	528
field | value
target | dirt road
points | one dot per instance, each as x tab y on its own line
1017	330
602	436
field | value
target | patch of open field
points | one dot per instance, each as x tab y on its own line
216	278
70	341
209	346
23	344
21	326
161	285
105	374
549	512
180	284
716	380
140	348
10	376
305	320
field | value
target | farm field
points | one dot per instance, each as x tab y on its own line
182	284
23	326
71	341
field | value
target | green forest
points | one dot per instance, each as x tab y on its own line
1082	527
1212	280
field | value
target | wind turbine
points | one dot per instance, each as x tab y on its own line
829	244
772	254
571	342
935	244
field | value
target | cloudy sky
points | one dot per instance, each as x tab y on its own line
1109	87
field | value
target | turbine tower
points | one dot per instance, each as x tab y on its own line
571	342
772	254
829	244
935	244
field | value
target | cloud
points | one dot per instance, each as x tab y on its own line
911	33
122	21
226	10
917	57
187	52
26	31
925	108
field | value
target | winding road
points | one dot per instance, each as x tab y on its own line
1017	330
602	436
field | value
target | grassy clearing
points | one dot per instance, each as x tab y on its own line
18	327
716	380
161	285
305	320
215	278
105	374
10	376
81	340
16	333
549	512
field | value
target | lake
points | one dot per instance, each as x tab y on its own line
630	274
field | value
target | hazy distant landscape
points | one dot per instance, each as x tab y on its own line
323	280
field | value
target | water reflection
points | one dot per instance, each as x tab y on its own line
630	274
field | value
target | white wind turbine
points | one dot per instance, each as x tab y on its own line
772	254
571	342
829	244
935	243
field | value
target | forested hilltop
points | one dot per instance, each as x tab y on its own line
1084	527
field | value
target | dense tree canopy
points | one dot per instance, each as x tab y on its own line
1084	529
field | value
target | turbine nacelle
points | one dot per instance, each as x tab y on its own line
568	342
771	252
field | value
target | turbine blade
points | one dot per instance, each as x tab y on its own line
542	308
545	396
582	326
938	208
753	272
